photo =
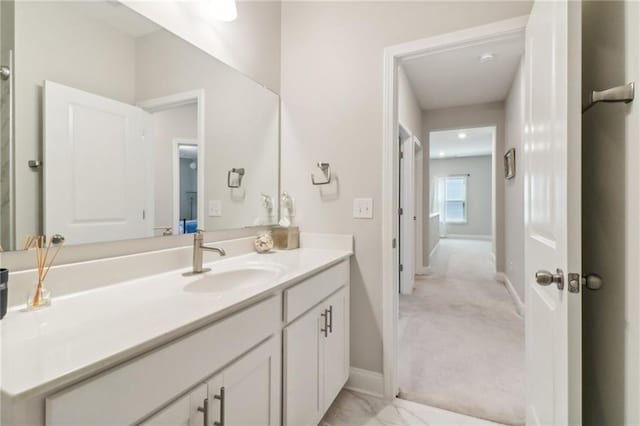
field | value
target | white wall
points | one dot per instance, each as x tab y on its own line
101	62
332	111
180	122
478	192
250	44
610	212
409	111
514	188
481	115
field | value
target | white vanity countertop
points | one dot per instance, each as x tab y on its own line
84	333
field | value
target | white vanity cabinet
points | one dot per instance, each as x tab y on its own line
247	393
186	411
128	394
279	360
316	348
336	345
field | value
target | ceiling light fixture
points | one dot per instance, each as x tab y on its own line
223	10
486	57
462	135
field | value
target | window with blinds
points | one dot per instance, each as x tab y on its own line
456	199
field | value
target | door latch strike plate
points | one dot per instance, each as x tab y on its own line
575	281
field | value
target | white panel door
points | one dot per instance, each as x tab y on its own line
408	201
186	411
96	167
552	212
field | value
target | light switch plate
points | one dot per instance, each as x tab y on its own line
363	208
215	208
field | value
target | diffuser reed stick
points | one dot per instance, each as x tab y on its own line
44	263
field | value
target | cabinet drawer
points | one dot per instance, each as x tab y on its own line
302	297
126	394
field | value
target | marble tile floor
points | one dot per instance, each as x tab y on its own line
355	409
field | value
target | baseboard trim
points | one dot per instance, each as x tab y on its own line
366	382
503	278
468	237
423	270
435	249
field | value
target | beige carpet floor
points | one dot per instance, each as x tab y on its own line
461	342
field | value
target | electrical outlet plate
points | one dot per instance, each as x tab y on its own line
363	208
215	208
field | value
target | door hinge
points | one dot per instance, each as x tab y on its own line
401	155
400	211
144	214
393	243
401	267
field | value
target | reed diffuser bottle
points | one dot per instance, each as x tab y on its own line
45	257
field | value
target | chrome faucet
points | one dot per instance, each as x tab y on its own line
198	248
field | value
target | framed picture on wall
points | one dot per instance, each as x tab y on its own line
510	164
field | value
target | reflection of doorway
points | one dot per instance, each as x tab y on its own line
178	121
185	185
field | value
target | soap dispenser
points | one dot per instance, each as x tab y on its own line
4	291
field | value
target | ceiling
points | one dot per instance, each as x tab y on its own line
457	77
449	143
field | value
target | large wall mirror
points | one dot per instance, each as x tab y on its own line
114	128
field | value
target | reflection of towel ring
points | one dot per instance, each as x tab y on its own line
326	170
239	172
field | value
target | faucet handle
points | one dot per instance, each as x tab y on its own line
199	234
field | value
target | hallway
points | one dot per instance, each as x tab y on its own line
461	342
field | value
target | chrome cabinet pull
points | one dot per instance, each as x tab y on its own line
221	399
205	410
330	327
325	330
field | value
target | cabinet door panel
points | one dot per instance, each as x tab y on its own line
302	399
336	346
182	412
251	389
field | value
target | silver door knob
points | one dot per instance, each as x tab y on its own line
592	281
546	278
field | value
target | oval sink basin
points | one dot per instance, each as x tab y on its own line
233	277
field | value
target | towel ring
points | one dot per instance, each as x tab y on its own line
239	172
326	170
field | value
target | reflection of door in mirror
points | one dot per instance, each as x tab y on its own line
98	185
185	182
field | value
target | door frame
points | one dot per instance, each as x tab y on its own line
393	55
175	170
177	100
408	194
